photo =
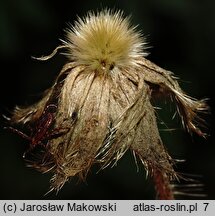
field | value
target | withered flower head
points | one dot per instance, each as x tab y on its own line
100	105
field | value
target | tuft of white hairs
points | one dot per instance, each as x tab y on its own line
103	40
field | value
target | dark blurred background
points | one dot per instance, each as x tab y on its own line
181	36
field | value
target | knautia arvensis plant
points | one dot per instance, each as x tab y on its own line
100	105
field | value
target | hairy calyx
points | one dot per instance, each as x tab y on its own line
102	105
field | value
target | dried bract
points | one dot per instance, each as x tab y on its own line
103	104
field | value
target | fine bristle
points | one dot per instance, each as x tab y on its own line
103	40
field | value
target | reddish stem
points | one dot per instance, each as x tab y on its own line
162	185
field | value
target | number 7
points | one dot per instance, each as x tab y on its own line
206	205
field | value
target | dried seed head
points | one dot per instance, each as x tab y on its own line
98	115
104	39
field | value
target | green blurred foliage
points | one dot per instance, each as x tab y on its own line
180	35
